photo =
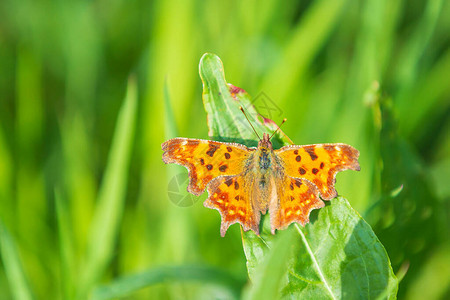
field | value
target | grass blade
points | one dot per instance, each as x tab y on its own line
111	198
269	275
66	245
305	43
13	267
126	285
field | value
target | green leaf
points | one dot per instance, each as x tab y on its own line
126	285
335	256
226	122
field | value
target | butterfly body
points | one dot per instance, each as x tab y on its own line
244	183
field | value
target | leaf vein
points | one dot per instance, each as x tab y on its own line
315	261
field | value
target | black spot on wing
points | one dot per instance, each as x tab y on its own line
311	153
212	149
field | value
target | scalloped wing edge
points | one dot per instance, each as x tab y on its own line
354	166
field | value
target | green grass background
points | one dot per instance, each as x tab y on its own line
90	89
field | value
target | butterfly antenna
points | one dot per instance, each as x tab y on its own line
284	120
240	107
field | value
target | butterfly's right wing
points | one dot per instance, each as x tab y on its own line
307	172
319	164
205	160
295	200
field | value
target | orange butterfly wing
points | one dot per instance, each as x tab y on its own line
231	196
296	198
319	164
307	172
205	160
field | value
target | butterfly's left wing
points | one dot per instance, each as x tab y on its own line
319	164
234	198
205	160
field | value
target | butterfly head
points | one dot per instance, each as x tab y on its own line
265	142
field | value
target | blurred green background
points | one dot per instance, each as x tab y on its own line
84	193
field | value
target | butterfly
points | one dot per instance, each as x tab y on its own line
244	182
